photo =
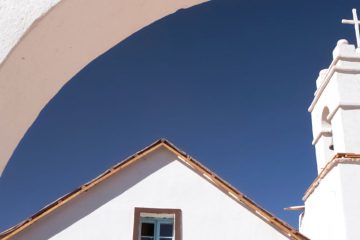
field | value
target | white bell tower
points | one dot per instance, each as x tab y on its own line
332	202
335	110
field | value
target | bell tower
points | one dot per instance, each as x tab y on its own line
335	110
332	202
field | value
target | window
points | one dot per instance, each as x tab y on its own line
157	228
157	224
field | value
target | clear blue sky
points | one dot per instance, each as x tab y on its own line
229	82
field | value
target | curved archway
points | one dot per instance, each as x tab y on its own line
325	123
326	128
324	143
59	45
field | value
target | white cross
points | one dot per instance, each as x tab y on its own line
356	23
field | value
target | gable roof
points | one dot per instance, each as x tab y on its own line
275	222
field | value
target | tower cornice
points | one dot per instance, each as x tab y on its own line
340	158
342	53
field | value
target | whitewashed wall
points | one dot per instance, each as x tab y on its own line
332	212
323	218
158	181
16	18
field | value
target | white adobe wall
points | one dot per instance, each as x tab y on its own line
16	18
351	198
107	211
323	218
332	211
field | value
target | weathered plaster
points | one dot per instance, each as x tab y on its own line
56	47
16	17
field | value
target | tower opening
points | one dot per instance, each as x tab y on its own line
326	128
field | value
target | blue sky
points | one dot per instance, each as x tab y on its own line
228	82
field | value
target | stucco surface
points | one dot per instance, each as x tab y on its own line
332	210
16	17
323	218
56	47
158	180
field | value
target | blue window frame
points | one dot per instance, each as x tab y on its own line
157	224
157	228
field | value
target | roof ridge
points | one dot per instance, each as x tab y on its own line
241	198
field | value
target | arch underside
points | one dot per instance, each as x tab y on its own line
58	46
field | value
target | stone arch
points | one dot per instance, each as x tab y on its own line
57	46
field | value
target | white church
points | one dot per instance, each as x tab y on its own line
159	193
162	193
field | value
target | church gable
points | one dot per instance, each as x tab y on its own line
159	182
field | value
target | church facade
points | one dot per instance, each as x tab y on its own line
159	193
163	193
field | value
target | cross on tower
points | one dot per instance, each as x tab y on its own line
356	23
